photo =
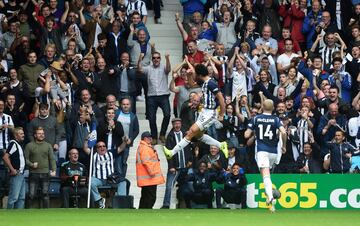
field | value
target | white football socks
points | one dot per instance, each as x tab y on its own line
210	141
181	145
268	187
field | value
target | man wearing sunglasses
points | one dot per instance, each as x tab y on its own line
158	93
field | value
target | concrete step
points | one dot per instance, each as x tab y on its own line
167	39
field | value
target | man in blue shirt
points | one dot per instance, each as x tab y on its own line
265	127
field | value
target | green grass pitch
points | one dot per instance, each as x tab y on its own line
109	217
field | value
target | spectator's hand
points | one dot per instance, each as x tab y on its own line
56	147
257	78
306	168
319	37
331	122
348	155
89	80
111	71
283	150
311	114
311	137
221	117
13	172
3	18
177	16
35	165
53	173
167	55
337	36
80	10
306	54
21	107
90	109
127	140
352	20
175	75
238	6
209	166
238	97
304	115
67	6
196	151
172	170
141	56
111	123
152	45
237	49
132	28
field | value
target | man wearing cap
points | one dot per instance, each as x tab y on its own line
148	171
179	163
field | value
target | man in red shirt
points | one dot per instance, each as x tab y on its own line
194	55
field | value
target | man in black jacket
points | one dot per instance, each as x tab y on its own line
73	176
178	165
234	187
338	158
202	182
126	76
117	41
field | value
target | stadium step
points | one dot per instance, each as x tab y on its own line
167	39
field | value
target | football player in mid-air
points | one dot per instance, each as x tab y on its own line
211	98
266	127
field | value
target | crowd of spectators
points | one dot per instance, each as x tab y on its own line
66	66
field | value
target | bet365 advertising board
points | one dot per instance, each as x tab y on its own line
307	191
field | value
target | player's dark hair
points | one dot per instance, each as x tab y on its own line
201	70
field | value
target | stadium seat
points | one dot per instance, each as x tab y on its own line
3	181
110	190
123	202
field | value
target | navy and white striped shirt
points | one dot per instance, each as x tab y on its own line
17	157
136	5
210	89
5	133
103	165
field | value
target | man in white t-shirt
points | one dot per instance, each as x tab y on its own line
284	60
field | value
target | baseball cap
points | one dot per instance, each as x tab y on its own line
175	120
231	145
122	8
145	134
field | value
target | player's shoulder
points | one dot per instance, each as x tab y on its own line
212	84
212	81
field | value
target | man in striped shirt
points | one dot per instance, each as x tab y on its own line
103	166
6	125
15	161
211	98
